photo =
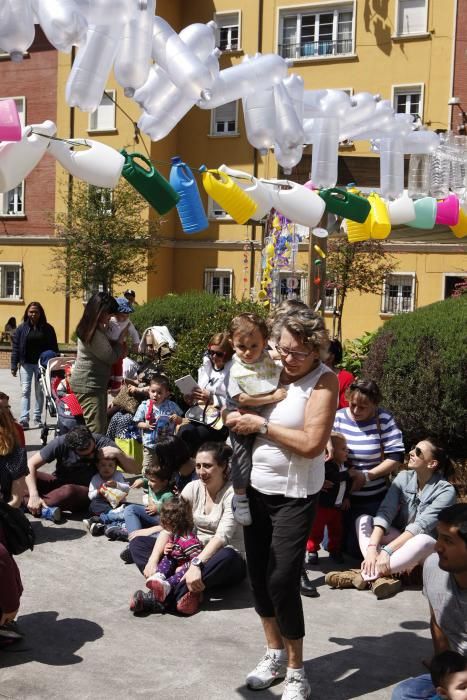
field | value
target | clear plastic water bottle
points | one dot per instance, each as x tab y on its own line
419	175
440	170
458	170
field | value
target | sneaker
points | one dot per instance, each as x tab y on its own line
24	424
116	532
241	510
311	558
53	513
87	522
145	602
97	529
296	687
189	603
269	669
38	424
344	579
159	586
385	587
125	555
10	631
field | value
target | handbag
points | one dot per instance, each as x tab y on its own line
124	401
207	415
18	530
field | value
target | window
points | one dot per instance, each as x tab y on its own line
398	293
453	283
330	299
408	99
103	118
325	33
218	282
224	119
411	17
292	285
228	30
215	210
10	281
12	202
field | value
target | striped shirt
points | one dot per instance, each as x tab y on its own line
365	443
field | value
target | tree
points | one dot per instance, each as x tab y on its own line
105	239
359	267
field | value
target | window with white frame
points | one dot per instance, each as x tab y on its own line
411	17
12	202
215	210
330	299
103	118
10	281
292	285
224	119
408	99
219	282
398	293
324	32
228	30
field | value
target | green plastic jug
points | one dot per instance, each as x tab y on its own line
149	182
344	203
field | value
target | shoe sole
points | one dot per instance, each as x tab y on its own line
155	585
189	603
386	590
266	684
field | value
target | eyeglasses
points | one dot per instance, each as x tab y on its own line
216	353
418	452
294	354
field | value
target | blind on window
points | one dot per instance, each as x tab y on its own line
412	16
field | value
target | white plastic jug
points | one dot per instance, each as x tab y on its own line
18	159
200	38
62	22
297	203
132	61
288	128
260	121
253	187
97	164
16	27
401	210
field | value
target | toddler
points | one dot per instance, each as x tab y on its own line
138	516
332	502
157	417
182	548
449	675
118	328
108	491
253	383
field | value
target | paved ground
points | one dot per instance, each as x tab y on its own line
82	642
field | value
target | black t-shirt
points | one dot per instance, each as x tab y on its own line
71	468
12	467
36	343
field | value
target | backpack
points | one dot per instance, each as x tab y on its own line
17	529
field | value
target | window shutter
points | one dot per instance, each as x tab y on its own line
226	113
412	16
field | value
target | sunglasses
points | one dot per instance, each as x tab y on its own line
418	452
294	354
216	353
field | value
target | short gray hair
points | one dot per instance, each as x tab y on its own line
305	325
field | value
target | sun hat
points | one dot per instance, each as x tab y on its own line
123	306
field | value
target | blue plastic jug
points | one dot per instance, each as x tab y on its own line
190	208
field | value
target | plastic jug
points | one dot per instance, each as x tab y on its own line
190	207
460	229
200	38
10	125
260	121
298	203
325	140
255	189
345	204
401	211
425	213
98	164
18	159
356	232
229	195
288	158
62	22
288	129
132	61
149	182
447	211
378	217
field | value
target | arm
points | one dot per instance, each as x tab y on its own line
127	463
94	486
15	351
52	338
439	639
425	521
156	554
35	501
194	575
18	491
144	531
262	399
319	415
103	350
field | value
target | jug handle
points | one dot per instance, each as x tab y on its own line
335	193
220	175
182	167
236	173
132	156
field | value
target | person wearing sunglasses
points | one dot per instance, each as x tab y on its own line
402	534
286	477
213	378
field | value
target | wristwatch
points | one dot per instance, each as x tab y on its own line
264	428
196	561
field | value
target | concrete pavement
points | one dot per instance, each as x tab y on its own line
82	642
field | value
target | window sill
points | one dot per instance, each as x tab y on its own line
16	217
410	37
222	219
102	131
390	314
10	300
232	52
231	135
314	59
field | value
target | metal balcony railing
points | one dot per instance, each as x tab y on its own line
308	49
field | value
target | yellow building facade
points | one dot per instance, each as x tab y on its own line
401	50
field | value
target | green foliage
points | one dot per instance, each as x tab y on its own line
419	361
355	352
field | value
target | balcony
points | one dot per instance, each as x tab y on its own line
310	49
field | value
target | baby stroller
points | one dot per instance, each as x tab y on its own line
155	348
52	371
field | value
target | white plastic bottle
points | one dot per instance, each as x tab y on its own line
62	22
288	128
16	27
19	158
260	122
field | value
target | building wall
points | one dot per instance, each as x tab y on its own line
459	88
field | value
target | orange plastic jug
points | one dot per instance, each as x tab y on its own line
380	224
460	229
356	232
228	195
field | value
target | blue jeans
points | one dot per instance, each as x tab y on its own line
113	518
419	688
28	375
137	518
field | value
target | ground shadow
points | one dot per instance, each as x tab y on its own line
55	533
231	598
50	641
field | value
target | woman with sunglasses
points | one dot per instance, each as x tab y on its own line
286	477
401	534
213	378
376	449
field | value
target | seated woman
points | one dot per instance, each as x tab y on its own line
219	564
401	534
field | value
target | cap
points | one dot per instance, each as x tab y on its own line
123	306
131	292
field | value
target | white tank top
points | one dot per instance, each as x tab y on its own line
278	470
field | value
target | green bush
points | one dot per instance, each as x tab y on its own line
419	362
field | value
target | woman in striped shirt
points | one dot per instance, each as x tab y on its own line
376	449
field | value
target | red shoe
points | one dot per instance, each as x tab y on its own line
189	603
159	587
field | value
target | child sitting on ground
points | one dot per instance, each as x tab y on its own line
253	383
108	491
333	500
449	675
157	417
180	551
139	516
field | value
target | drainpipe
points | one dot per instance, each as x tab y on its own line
255	152
71	129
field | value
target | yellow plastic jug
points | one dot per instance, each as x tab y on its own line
228	195
460	229
356	233
380	224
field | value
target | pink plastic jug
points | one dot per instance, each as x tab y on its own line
447	211
10	126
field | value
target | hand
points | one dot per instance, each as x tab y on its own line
248	423
175	419
329	454
358	479
193	580
280	394
110	452
112	483
137	484
369	566
137	533
201	395
382	564
327	485
35	504
14	372
168	547
150	568
345	505
7	617
151	509
231	418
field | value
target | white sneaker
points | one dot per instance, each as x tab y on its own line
267	671
241	510
296	687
